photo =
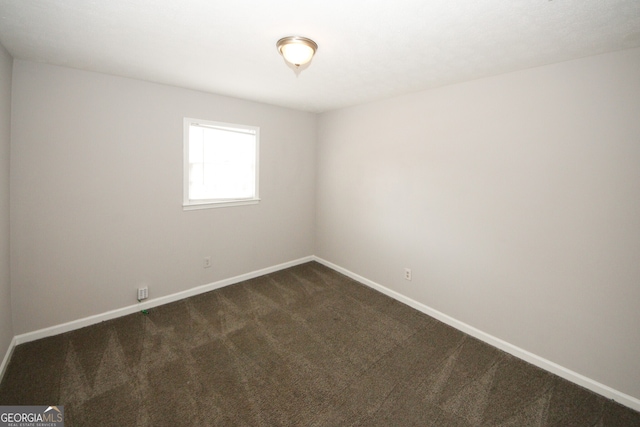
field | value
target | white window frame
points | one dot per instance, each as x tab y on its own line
191	204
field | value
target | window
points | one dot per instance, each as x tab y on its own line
220	164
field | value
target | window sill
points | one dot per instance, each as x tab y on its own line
212	205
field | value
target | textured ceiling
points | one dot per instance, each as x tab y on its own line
368	50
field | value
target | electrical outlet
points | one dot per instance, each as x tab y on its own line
143	293
207	262
407	274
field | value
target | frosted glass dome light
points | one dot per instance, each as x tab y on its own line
297	50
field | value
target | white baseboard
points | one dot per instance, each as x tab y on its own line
518	352
91	320
7	357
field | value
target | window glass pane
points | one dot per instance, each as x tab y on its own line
196	135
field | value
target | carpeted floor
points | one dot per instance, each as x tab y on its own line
304	346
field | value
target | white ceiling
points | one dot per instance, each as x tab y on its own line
368	49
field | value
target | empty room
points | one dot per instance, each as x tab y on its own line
409	213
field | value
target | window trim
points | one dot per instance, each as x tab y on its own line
189	204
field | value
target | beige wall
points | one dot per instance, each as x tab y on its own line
514	199
6	326
96	194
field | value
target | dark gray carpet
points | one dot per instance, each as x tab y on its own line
304	346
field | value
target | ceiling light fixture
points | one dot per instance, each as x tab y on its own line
297	50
